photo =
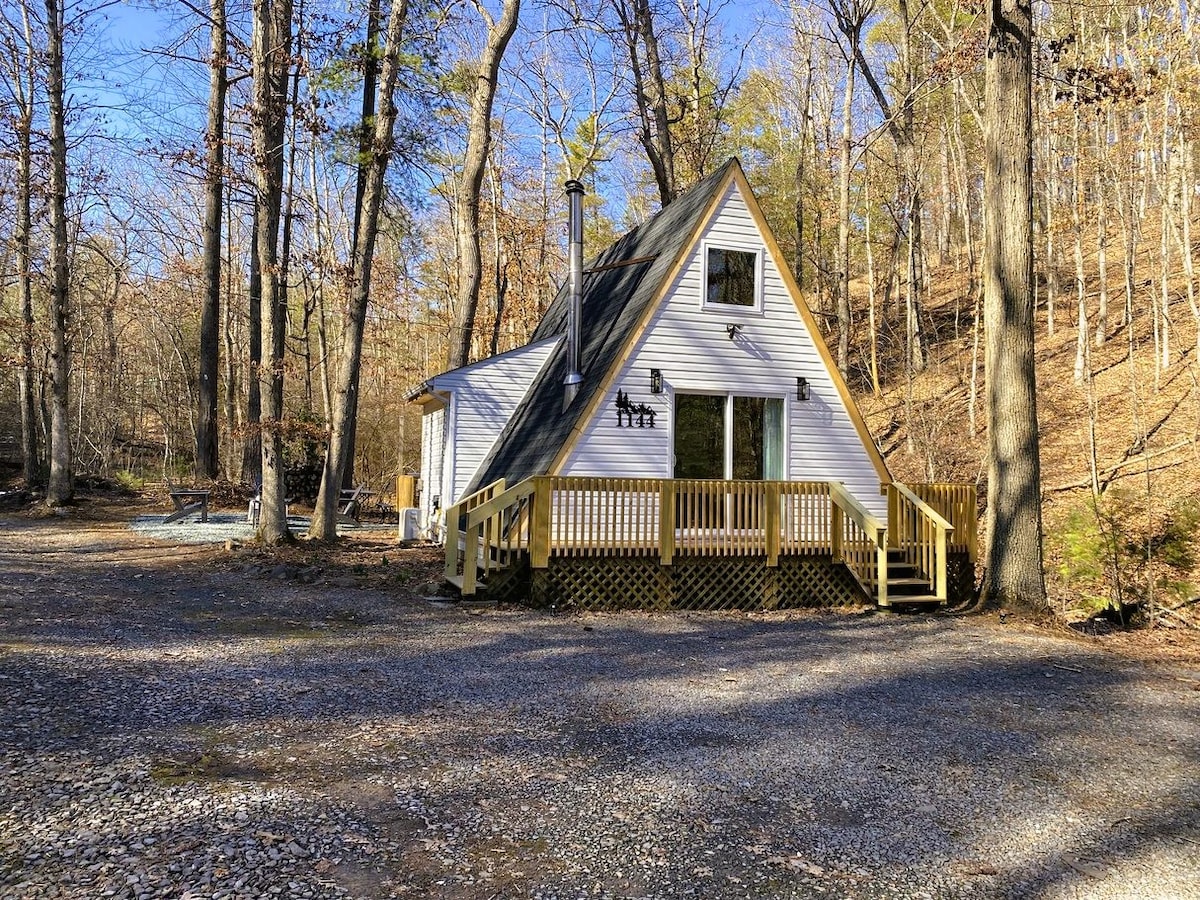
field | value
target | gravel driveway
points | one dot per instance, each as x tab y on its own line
172	726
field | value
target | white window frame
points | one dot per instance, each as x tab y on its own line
730	308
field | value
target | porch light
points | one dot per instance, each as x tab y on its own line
733	330
802	391
656	381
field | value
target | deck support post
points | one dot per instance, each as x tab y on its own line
539	523
666	522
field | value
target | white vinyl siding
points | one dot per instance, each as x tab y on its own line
433	441
689	342
483	397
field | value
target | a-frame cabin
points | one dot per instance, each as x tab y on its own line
676	435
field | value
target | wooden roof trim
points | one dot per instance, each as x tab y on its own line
638	330
810	322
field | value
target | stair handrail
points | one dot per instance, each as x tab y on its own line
485	524
455	513
871	574
928	558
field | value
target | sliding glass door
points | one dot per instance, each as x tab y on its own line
726	436
723	436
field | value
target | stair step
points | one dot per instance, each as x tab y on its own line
906	599
457	581
910	581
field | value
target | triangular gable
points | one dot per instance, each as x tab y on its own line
619	301
737	178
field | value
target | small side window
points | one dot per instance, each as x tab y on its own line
732	277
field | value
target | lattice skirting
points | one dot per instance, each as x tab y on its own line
693	583
960	575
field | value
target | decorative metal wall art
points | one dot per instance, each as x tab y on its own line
627	409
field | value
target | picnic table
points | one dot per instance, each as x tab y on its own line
350	504
186	503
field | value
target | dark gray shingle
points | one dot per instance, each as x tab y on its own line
614	300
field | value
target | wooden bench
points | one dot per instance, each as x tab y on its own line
186	503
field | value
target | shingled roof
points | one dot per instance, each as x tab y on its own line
619	283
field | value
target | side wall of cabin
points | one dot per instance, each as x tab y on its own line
483	397
689	342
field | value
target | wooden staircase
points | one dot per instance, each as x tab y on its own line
905	586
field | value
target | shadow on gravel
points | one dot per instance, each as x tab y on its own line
916	740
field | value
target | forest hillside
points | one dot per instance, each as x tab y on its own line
1119	443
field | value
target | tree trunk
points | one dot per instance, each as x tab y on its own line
207	455
470	181
324	520
649	93
1014	558
23	81
272	38
61	486
252	451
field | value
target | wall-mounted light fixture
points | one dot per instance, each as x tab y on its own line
732	330
802	388
656	381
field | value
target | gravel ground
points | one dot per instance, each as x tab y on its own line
176	723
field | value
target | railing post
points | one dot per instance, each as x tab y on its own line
893	513
940	586
881	567
471	559
836	528
452	535
771	523
539	523
666	522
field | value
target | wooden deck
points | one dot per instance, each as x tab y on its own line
589	525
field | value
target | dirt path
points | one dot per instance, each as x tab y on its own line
185	722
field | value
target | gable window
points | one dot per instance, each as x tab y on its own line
731	277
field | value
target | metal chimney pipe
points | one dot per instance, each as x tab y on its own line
574	191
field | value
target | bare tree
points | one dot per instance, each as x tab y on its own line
21	73
374	168
850	17
641	41
1014	546
207	457
61	486
470	180
272	41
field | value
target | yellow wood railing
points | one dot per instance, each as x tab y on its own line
957	503
859	540
581	516
921	533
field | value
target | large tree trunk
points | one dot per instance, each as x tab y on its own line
341	443
272	38
207	456
1014	546
470	181
61	486
252	450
